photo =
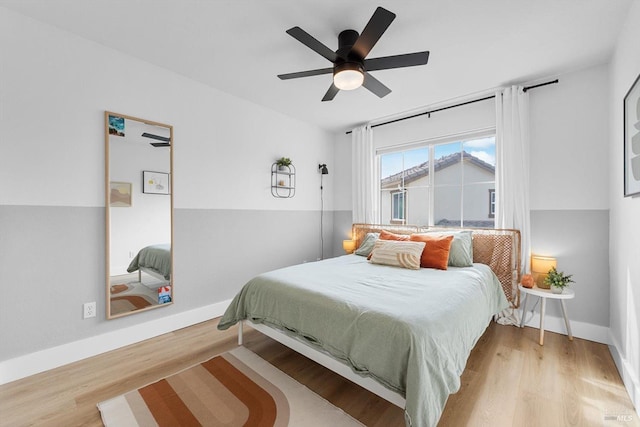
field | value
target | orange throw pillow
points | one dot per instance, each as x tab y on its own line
385	235
436	250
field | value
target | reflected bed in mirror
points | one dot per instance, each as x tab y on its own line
139	213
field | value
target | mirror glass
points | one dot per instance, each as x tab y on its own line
139	212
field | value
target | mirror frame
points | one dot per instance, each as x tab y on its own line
108	213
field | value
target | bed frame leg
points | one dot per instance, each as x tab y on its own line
240	325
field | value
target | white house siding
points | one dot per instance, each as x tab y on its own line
477	181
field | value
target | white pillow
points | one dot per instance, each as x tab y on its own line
396	253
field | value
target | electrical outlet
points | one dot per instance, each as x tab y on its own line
89	310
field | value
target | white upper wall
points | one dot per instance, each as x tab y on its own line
624	250
55	86
569	132
459	120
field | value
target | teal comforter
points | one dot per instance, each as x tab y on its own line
155	257
411	330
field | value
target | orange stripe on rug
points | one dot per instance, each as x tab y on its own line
262	407
135	300
166	406
235	389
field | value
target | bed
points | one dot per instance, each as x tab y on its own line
403	334
154	260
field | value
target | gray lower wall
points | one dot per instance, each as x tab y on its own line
579	240
52	261
342	222
217	251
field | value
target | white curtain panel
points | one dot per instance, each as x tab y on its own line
512	162
364	177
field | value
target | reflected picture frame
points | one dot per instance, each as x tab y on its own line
631	112
121	194
155	182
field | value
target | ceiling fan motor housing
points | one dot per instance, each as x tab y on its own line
346	59
346	40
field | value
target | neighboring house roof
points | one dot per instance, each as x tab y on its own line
488	223
422	170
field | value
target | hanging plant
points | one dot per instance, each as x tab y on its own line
283	161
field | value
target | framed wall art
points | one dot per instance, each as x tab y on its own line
120	194
155	182
632	140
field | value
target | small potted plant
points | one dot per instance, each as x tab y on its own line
557	280
283	162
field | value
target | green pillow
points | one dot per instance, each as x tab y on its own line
367	244
461	252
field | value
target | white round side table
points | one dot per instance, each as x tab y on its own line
545	294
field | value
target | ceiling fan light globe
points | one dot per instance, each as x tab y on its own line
348	79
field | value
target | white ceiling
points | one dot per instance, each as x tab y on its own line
239	46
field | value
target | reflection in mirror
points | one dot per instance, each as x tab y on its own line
139	210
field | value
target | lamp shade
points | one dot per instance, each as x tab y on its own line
349	246
540	266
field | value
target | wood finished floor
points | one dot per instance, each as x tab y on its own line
509	381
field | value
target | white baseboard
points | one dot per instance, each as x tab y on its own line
40	361
587	331
629	376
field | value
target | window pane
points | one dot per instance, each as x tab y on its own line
447	206
402	171
492	202
391	164
417	205
476	206
385	206
416	161
483	148
397	211
447	165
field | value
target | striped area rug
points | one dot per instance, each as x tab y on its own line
237	388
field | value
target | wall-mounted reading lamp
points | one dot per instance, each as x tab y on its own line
323	171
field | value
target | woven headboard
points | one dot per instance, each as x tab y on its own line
497	248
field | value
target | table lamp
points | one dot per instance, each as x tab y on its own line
540	266
349	246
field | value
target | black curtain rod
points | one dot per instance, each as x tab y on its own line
426	113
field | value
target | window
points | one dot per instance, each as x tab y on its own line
441	183
492	203
397	207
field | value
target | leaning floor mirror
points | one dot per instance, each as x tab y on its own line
139	214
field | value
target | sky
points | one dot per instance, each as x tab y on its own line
392	163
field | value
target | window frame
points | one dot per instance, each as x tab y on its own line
431	143
393	194
492	203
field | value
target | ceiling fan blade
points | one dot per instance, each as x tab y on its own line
309	73
374	85
396	61
308	40
331	93
372	32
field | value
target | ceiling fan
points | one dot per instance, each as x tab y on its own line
350	66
